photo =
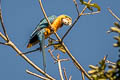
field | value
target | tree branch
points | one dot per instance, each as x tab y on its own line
75	21
77	9
34	74
83	78
91	13
65	75
3	36
113	14
3	43
70	78
59	66
109	62
52	55
3	27
31	51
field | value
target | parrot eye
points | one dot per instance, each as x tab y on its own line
67	21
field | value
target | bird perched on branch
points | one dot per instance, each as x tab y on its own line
43	31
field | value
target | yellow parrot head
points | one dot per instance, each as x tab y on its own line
67	20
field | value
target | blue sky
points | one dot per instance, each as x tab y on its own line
87	41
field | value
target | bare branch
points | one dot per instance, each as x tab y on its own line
91	13
32	51
51	45
64	60
38	49
3	43
70	78
105	57
3	27
75	21
3	36
107	61
59	66
52	55
83	78
65	74
34	74
76	6
113	14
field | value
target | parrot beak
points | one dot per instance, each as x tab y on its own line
70	24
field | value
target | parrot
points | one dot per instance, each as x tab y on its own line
43	31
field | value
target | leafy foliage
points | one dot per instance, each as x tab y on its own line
57	46
91	5
99	72
116	29
105	71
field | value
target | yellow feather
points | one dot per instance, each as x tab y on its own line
29	45
56	25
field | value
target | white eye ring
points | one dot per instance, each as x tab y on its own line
65	21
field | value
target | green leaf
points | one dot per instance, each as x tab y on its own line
59	47
93	67
89	6
81	1
50	41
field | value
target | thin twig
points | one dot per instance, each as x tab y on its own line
113	14
75	21
91	13
52	55
34	74
64	60
3	36
59	66
83	78
32	51
107	61
41	6
3	27
65	75
105	57
76	6
61	60
70	78
51	45
2	43
38	49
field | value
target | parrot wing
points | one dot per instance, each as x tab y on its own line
43	24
